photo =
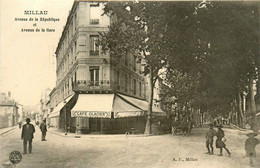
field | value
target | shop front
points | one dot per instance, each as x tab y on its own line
104	113
109	113
56	118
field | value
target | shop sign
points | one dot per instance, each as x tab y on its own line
91	114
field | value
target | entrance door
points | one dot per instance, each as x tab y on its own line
95	124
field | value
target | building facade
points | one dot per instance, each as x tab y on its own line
8	111
95	92
44	109
20	113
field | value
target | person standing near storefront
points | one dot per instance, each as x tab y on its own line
27	135
43	128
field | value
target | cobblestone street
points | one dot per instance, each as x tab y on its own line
164	151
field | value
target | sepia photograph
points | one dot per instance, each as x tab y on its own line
129	84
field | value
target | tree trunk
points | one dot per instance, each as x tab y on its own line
150	106
242	124
252	104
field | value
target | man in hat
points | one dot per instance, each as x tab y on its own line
209	139
250	145
27	135
219	142
43	128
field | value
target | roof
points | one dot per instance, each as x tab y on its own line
6	101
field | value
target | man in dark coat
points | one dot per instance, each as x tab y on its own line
219	142
43	128
27	135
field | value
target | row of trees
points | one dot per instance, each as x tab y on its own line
209	51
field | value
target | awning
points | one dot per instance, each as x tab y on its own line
56	110
143	105
123	109
93	106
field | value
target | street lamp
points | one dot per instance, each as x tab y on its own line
65	116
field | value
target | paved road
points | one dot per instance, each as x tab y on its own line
154	152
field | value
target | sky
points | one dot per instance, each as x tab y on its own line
27	59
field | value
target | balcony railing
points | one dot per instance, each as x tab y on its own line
87	85
94	52
94	21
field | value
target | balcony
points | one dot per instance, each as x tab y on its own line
94	21
94	52
86	85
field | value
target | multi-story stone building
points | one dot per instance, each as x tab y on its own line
8	111
96	92
43	103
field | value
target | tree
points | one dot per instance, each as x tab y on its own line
219	44
212	47
140	28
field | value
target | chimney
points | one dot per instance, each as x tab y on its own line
9	94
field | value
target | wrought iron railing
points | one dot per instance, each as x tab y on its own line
87	85
94	52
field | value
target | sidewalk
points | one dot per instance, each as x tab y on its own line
5	130
77	135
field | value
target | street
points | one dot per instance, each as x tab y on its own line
164	151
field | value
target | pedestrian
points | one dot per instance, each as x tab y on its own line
209	139
43	128
220	141
27	135
20	124
250	145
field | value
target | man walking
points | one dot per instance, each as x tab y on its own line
209	139
43	128
27	135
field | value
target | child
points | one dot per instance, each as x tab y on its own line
209	139
219	142
250	145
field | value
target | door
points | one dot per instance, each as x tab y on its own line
95	124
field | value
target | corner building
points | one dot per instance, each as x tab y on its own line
94	91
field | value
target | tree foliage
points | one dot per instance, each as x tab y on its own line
208	49
220	47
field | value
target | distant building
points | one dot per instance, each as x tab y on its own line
32	112
20	113
44	100
96	92
8	111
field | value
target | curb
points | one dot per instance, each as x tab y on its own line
95	137
68	136
7	131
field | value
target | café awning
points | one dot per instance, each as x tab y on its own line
56	110
143	105
93	106
123	109
102	106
